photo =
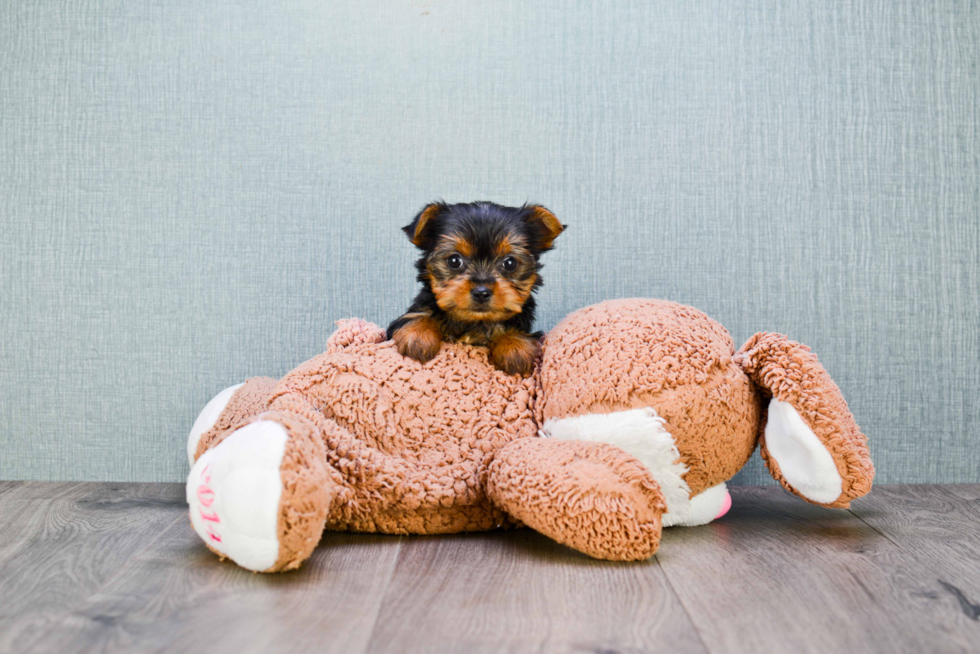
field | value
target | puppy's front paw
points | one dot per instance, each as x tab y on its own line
419	339
514	353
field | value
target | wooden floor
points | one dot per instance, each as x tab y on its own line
116	568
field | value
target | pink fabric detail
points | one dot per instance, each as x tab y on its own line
726	505
205	496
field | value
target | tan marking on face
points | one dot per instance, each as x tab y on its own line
453	294
511	295
454	297
450	243
503	247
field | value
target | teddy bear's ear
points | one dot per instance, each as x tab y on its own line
420	230
809	439
545	225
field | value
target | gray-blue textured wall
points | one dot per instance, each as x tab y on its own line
192	192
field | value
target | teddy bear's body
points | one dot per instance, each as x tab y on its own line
635	416
411	443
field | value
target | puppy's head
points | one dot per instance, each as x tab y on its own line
481	259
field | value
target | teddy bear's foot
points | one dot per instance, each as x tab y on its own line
227	409
590	496
260	497
707	506
642	433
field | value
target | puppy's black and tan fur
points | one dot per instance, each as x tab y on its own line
479	269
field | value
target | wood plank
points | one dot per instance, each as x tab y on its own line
939	526
23	510
968	492
36	490
780	575
95	567
521	592
56	552
7	486
91	491
176	596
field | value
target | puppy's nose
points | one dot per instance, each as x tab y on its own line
481	293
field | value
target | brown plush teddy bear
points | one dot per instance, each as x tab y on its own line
636	415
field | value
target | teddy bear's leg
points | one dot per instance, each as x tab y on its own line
261	495
644	434
808	437
228	408
590	496
707	506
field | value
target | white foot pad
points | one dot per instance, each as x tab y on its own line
803	460
705	507
207	418
234	491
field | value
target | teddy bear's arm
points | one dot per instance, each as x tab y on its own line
591	496
354	331
808	437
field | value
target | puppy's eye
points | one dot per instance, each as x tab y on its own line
510	264
455	261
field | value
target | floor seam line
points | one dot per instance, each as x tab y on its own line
384	595
690	618
876	530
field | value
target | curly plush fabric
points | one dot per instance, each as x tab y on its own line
790	372
378	442
626	354
411	442
354	331
307	491
593	497
251	399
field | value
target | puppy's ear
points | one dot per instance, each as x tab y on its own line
544	224
420	230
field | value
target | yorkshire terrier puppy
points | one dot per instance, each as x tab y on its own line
478	270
